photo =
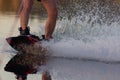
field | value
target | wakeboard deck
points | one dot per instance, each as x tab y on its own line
19	42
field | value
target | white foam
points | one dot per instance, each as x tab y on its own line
105	49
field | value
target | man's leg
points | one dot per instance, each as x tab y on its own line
24	16
50	6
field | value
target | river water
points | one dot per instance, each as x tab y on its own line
85	29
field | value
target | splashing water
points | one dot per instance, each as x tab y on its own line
88	29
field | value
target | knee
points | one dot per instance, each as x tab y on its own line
27	7
53	13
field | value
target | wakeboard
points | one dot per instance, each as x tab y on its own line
23	64
28	59
19	42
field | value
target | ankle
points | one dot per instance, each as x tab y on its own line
24	31
45	37
48	37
